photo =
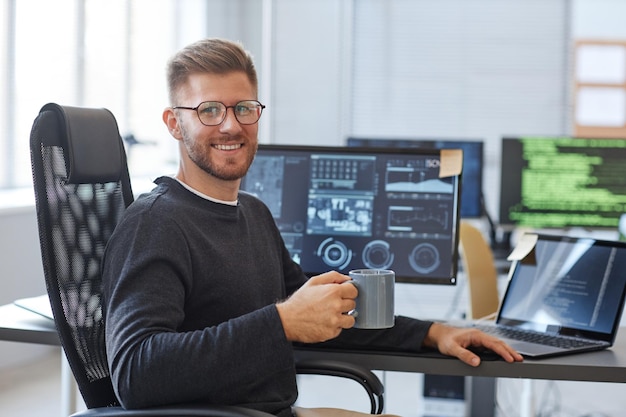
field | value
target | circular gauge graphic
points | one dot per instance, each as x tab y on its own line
334	253
424	258
376	255
298	227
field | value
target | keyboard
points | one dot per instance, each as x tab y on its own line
559	341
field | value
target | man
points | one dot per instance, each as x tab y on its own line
202	300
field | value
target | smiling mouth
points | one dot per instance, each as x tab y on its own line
228	147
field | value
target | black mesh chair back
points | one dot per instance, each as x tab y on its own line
82	188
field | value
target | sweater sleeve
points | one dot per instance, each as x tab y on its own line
154	360
407	335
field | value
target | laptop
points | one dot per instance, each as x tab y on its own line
565	295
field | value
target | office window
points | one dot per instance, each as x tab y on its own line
104	54
6	32
44	70
125	56
91	53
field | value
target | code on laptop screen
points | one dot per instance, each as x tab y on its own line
569	283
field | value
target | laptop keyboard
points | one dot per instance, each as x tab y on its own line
536	337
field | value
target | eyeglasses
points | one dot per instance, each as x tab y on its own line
213	113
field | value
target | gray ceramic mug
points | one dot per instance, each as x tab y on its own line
375	302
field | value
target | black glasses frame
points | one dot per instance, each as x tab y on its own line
262	106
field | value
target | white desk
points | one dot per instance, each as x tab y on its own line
20	325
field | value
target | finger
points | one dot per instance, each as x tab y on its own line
332	277
347	321
339	278
347	290
347	305
497	346
466	356
505	351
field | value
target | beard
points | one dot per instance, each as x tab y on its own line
227	169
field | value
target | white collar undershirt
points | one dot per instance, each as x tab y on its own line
206	197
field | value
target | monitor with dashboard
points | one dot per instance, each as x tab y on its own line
472	193
562	182
342	208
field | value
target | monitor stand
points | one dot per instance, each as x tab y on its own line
499	240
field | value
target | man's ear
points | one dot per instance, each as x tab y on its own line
171	121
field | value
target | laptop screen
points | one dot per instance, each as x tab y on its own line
571	286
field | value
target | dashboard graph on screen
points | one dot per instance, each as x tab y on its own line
562	182
341	208
472	192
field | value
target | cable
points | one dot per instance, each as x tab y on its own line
454	303
502	405
546	409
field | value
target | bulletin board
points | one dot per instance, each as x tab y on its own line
600	89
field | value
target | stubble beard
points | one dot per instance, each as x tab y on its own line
228	170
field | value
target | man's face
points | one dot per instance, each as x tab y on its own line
224	151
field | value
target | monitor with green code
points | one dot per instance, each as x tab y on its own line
562	182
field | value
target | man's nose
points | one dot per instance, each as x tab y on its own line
230	122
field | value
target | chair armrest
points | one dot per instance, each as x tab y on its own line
372	384
363	376
174	411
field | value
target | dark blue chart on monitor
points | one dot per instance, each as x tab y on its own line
472	192
341	208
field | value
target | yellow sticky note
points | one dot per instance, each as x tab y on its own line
451	162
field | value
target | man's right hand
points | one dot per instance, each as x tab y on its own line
317	311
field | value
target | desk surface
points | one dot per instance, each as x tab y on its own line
602	366
20	325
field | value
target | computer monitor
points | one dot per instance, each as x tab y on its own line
562	182
472	192
340	208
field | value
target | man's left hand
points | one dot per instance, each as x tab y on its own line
454	341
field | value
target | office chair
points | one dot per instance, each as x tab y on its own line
82	189
482	277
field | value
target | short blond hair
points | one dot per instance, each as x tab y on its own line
212	56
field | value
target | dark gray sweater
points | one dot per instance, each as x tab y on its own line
190	288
